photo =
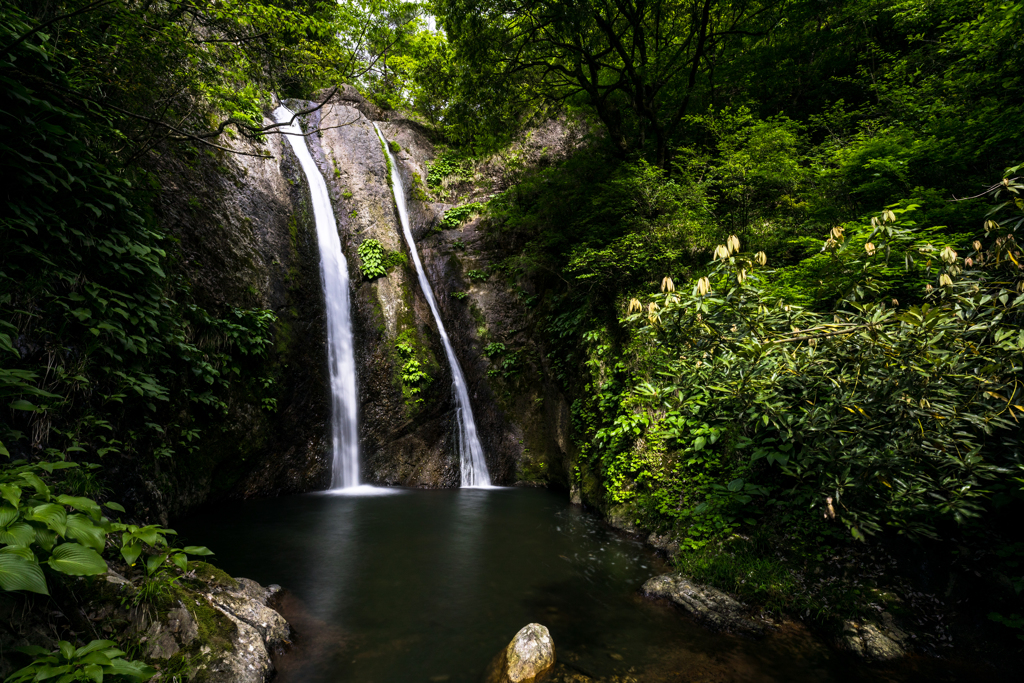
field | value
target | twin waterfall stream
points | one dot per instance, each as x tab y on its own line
340	357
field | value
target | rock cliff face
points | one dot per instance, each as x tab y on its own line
247	240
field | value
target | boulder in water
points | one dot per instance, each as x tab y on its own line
529	656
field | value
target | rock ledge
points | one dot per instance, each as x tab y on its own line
711	606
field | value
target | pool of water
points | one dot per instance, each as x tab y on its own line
429	585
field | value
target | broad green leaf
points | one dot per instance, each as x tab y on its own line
17	573
85	532
45	538
22	404
8	514
54	516
67	650
197	550
94	645
11	493
153	562
19	533
136	670
86	505
35	482
113	506
148	535
76	560
130	553
94	672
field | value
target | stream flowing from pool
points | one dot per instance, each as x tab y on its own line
471	453
427	586
334	276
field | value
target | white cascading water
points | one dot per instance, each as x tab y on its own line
471	454
334	275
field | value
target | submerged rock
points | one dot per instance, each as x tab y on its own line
872	642
711	606
529	656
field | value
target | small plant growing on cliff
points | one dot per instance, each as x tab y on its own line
371	259
394	147
477	275
494	349
459	245
346	194
453	218
418	193
460	295
412	372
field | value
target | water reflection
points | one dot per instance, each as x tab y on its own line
431	584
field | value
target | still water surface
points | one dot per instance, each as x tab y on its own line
429	585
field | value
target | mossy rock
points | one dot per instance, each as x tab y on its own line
212	576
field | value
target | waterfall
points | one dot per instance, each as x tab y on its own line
334	275
471	454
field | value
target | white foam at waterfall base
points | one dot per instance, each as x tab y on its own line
334	277
471	454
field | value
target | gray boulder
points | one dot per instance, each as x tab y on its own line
709	605
872	642
258	629
529	656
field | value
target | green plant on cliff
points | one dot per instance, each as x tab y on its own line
413	376
371	259
453	218
98	660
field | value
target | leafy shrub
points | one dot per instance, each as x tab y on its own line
98	660
413	376
453	218
371	259
477	275
873	416
494	349
66	533
460	295
445	166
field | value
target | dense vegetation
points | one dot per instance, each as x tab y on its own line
786	263
780	276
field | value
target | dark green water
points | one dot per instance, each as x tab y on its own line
429	585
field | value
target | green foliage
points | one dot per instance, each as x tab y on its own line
477	275
414	379
86	279
453	218
445	168
371	259
395	259
871	415
460	295
40	528
394	147
97	661
418	193
494	349
134	540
